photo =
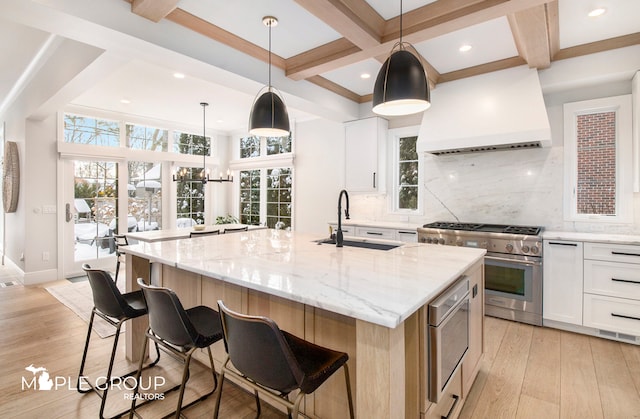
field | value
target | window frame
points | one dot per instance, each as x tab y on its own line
394	136
621	106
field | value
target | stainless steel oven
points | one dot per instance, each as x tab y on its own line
513	287
447	337
512	265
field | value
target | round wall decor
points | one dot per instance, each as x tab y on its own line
11	177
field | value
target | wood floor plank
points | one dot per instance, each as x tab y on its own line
500	395
579	394
617	390
632	357
532	408
542	377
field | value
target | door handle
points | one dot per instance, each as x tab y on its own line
67	212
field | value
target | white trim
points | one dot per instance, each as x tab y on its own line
621	105
274	160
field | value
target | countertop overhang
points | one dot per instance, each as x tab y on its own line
381	287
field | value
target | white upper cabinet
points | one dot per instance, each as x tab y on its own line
365	155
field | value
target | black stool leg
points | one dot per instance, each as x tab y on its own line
84	354
117	269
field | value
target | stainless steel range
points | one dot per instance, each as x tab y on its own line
513	264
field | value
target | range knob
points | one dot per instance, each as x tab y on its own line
525	248
441	240
458	242
534	250
423	239
509	247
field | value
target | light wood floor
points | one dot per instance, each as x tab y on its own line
528	372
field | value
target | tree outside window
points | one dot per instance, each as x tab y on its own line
91	131
190	197
407	174
279	183
250	197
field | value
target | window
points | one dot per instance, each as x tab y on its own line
144	192
279	182
190	197
250	196
266	181
184	143
146	138
92	131
597	144
406	171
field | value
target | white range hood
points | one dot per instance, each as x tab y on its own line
495	111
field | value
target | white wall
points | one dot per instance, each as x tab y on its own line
319	174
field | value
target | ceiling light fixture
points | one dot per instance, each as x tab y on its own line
465	48
401	87
597	12
178	75
181	176
365	76
269	116
125	101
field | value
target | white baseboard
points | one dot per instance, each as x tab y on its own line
38	277
605	334
10	264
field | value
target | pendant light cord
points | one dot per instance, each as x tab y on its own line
400	24
270	25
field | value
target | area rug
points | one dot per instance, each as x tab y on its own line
78	297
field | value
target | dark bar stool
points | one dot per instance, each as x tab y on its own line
235	230
115	308
203	233
119	240
274	362
180	332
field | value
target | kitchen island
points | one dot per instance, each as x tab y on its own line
361	301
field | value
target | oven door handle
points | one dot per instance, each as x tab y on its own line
521	262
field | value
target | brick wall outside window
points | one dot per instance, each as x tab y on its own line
596	148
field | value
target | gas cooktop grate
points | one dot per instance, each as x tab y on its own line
495	228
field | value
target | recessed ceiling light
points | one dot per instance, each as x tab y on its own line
125	101
597	12
465	48
365	76
220	121
178	75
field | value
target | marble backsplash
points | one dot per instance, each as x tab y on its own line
522	187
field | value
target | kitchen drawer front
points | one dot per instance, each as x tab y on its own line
612	279
407	236
612	314
375	233
627	253
450	402
346	230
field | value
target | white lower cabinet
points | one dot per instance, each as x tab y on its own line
375	233
562	281
407	236
595	286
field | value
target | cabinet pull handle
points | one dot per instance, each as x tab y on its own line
564	244
407	232
456	398
625	280
625	317
374	179
374	233
624	253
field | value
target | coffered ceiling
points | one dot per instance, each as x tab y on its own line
321	48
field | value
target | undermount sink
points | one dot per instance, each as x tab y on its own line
357	243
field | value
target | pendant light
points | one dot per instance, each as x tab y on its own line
269	116
401	87
181	176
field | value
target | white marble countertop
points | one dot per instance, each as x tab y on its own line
181	233
378	286
591	237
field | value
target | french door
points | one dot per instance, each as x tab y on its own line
92	209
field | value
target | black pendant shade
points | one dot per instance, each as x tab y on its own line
401	87
269	117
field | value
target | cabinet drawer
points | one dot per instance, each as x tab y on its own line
346	230
450	403
627	253
612	314
407	236
375	233
612	279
